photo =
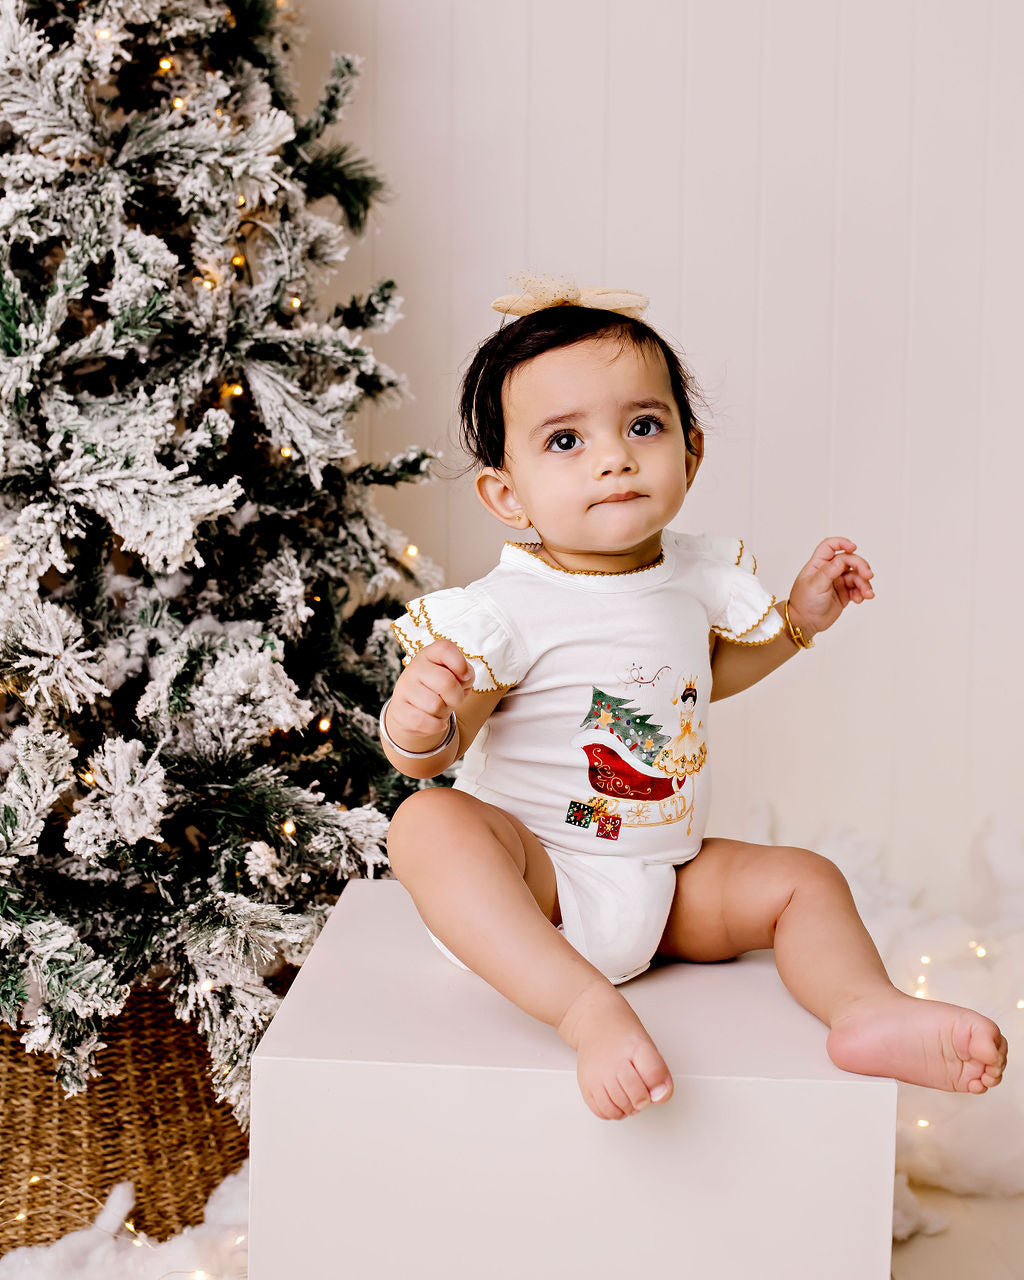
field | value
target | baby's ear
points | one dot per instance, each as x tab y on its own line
494	489
694	459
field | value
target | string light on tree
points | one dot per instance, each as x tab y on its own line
285	451
288	827
166	64
178	104
324	724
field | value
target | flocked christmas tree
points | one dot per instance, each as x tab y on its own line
195	588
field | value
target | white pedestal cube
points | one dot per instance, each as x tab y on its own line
410	1123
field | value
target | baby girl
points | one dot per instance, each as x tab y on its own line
574	682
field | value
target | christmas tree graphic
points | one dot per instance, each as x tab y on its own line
634	729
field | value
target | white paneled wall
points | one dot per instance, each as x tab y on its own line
824	200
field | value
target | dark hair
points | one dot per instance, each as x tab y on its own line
480	412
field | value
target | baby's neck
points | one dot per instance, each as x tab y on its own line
638	557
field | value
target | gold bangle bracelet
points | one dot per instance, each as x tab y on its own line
796	634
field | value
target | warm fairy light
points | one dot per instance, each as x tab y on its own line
324	725
103	33
237	389
1020	1004
217	111
412	551
317	599
296	302
166	64
137	1244
241	201
288	827
20	1217
921	978
922	1124
130	1226
88	778
207	985
35	1178
238	260
208	284
972	945
285	451
239	1239
980	951
926	959
919	993
178	103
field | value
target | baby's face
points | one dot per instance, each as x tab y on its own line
620	434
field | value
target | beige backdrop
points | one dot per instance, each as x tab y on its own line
824	201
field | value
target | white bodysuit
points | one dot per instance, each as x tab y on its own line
600	744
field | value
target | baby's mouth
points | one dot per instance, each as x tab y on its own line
628	496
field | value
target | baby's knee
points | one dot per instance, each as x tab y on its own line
422	825
806	869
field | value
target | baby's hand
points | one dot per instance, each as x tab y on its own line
436	682
827	583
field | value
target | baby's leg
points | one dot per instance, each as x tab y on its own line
735	897
485	886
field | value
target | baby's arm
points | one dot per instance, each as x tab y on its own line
437	681
823	588
735	667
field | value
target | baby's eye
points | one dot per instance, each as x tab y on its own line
558	438
657	422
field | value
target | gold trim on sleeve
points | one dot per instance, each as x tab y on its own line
734	637
412	647
740	557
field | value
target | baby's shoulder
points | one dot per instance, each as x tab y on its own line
712	550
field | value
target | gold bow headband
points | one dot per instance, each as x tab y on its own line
539	292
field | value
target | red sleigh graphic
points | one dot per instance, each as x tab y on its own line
615	771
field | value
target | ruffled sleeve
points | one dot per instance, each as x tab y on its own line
742	610
470	620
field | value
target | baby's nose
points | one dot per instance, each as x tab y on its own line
613	456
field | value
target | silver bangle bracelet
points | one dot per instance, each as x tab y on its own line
415	755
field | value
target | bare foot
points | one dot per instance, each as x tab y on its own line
618	1068
926	1042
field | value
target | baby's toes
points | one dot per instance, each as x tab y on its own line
653	1072
608	1102
987	1045
993	1071
632	1088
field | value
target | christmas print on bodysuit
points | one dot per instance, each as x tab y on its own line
638	773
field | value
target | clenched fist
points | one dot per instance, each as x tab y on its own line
436	682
